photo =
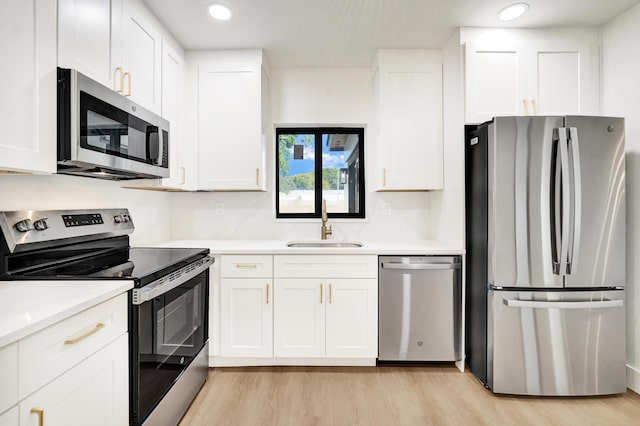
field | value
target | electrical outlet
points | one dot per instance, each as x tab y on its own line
219	209
386	209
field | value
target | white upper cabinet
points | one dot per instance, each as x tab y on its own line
232	92
408	120
28	75
530	72
89	38
141	56
117	43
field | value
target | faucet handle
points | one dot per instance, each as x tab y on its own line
324	210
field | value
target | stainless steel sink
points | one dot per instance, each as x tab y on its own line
324	243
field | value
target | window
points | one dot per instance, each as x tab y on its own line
320	163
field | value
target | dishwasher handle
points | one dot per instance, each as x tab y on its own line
420	266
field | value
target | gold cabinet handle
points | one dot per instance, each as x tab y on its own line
99	326
535	106
384	177
321	293
40	413
330	292
119	70
526	107
267	293
183	174
246	265
257	177
127	74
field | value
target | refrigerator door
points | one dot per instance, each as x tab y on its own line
596	246
520	234
557	343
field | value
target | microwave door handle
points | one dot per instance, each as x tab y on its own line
154	145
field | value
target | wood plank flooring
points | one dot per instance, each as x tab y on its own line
386	395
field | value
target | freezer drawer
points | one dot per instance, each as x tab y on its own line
419	308
556	343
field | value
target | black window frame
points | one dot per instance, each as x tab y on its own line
318	132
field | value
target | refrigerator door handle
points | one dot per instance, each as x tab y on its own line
554	202
576	193
566	201
587	304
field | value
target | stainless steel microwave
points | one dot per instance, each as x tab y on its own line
105	135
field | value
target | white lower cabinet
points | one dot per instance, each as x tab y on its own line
246	312
352	318
10	418
325	306
299	318
93	392
73	372
247	317
333	318
285	307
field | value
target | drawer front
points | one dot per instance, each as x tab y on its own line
246	266
52	351
8	376
326	266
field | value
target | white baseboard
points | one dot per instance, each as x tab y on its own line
215	361
633	379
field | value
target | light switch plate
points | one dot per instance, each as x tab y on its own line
219	209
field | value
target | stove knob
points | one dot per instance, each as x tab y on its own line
41	224
24	225
126	218
117	218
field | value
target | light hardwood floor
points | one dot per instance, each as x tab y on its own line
386	395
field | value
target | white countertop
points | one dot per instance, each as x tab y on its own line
417	247
29	306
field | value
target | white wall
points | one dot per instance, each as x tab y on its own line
150	209
620	94
316	96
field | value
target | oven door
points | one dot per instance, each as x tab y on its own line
168	331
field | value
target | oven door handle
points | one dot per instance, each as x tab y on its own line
171	281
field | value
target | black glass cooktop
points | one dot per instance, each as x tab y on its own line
98	260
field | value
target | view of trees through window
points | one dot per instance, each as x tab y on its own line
315	164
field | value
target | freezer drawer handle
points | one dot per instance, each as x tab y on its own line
587	304
414	266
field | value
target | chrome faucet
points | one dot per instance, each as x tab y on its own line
324	231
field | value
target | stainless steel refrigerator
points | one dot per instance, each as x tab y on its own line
545	228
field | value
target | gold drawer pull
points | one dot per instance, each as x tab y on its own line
246	265
321	293
99	326
40	413
330	292
384	177
267	294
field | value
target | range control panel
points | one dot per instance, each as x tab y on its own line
34	228
82	219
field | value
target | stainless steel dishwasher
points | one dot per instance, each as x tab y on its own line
419	308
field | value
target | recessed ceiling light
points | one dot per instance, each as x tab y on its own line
220	11
513	11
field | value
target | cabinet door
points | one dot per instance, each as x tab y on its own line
95	392
172	66
496	82
299	318
231	144
11	417
560	79
28	76
89	38
247	317
141	57
411	130
352	318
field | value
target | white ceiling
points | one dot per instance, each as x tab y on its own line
347	32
